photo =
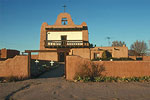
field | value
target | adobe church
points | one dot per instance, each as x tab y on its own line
70	39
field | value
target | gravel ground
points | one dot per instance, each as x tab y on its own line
51	86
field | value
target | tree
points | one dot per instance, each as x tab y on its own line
91	45
118	43
106	55
139	47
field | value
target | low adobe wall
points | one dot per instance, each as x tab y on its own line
34	56
146	58
132	57
112	68
17	67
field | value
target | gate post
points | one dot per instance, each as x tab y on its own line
29	64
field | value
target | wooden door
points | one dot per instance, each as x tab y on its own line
63	39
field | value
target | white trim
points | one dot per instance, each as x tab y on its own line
70	35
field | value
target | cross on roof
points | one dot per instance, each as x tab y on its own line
64	8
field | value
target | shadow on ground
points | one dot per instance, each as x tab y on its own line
53	73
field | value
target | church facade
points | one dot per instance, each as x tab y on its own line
69	39
65	37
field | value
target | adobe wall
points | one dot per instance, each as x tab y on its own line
121	52
126	68
17	66
82	52
34	56
132	57
117	52
12	53
43	36
146	58
48	56
3	53
113	68
7	53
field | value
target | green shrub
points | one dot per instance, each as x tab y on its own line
86	79
114	59
97	79
115	79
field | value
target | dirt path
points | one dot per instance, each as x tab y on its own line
51	86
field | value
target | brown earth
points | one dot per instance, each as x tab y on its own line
52	86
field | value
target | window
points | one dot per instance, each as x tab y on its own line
64	21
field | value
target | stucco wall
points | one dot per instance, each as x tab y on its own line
132	57
113	68
70	35
34	56
81	35
3	53
82	52
48	56
8	53
17	66
146	58
117	52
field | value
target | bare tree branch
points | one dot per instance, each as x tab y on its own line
139	47
118	43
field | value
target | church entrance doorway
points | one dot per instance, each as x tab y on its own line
62	53
62	56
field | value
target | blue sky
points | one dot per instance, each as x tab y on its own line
123	20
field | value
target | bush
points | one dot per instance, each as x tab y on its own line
116	79
96	70
88	71
114	59
120	79
84	71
